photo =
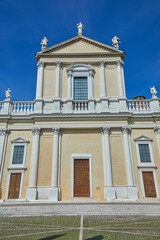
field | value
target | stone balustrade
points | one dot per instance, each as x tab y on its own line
139	105
22	107
108	105
80	105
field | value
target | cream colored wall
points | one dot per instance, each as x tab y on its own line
150	134
118	159
49	83
27	135
112	86
45	159
82	142
80	47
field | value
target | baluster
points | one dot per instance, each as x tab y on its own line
148	105
31	107
14	107
86	106
140	106
21	107
136	105
143	106
78	106
18	107
83	106
2	107
129	106
133	105
24	109
27	107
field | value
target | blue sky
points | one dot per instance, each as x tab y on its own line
23	23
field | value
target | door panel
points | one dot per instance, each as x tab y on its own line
14	186
81	178
149	184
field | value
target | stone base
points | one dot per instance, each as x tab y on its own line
54	194
120	193
109	193
31	193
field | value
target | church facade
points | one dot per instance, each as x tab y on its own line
81	139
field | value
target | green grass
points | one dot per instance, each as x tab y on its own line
67	228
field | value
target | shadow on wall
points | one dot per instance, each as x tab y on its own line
99	237
53	237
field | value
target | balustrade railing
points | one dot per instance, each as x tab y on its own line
80	105
1	106
22	107
138	105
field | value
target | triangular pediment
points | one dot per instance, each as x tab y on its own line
80	44
143	138
19	140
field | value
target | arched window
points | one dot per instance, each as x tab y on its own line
80	82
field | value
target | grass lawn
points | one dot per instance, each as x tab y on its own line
68	228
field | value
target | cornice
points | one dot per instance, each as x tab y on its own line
78	55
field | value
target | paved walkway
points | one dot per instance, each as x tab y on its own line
95	208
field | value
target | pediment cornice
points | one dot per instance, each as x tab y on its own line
50	51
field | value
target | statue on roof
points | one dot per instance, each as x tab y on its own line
153	92
44	43
8	94
80	27
115	42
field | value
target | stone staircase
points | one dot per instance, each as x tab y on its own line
93	208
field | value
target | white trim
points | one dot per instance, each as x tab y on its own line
150	151
21	183
154	177
81	156
11	165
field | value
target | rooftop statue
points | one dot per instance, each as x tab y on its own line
115	42
44	43
80	27
8	94
153	92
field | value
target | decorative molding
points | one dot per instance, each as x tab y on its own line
56	130
58	63
4	132
19	140
143	138
36	131
73	67
101	63
105	130
40	64
119	62
126	130
157	130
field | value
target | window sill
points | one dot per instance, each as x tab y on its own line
145	165
17	168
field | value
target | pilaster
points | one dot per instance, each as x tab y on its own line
54	189
40	77
109	191
32	188
157	132
3	142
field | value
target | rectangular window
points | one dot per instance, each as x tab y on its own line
80	88
144	153
18	155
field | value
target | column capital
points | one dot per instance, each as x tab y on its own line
56	130
105	130
157	130
101	63
119	62
126	130
36	131
40	64
4	132
58	63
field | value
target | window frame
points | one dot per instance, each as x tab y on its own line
18	142
80	100
81	70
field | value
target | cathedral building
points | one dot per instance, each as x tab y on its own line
81	139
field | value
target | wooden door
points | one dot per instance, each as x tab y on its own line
14	186
81	178
149	185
